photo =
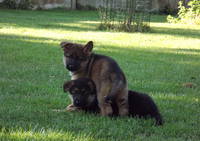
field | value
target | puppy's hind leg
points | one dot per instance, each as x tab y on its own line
105	107
122	102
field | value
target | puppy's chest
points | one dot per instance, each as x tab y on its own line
75	76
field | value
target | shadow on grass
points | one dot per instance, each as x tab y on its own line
49	20
189	33
70	27
189	50
77	21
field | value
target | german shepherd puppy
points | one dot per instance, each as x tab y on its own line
83	93
109	79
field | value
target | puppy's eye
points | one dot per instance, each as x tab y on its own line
76	89
83	90
82	58
67	55
73	92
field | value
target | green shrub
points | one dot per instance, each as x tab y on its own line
10	4
189	15
13	4
136	27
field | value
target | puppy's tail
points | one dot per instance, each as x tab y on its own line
159	120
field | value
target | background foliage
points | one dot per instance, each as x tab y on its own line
14	4
190	14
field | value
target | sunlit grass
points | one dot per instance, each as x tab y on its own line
31	77
44	135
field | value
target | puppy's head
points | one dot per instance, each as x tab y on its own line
82	91
76	56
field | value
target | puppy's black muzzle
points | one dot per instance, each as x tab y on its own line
73	65
78	103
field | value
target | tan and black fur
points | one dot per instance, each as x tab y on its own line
83	94
109	79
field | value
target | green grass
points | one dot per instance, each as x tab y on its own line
32	74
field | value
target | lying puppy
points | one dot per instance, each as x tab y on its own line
83	93
142	105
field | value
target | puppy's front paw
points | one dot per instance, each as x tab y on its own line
71	108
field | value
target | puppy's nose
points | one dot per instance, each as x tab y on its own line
69	66
76	101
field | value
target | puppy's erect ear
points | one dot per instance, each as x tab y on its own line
65	44
92	86
67	85
88	47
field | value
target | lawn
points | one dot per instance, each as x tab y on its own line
32	73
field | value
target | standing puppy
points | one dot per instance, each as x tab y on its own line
104	71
